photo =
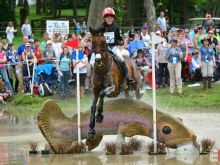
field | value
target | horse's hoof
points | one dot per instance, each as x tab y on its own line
99	118
91	134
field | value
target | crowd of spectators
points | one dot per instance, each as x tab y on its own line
184	55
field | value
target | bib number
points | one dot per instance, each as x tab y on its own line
109	37
174	60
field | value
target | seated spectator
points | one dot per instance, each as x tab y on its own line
143	64
195	68
4	93
49	54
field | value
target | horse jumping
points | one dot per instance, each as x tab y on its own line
107	79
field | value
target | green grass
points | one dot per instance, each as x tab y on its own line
195	100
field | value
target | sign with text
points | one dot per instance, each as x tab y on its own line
54	26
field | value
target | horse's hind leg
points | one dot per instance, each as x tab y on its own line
103	93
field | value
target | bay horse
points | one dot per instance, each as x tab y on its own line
107	79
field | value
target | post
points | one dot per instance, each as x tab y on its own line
32	84
154	98
78	97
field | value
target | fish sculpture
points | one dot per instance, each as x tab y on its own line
126	117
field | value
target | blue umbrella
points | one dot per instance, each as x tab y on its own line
135	45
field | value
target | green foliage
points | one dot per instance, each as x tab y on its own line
6	13
120	9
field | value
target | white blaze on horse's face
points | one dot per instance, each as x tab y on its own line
98	57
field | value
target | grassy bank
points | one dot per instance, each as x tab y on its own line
194	100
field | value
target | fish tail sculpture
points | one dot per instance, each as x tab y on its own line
124	117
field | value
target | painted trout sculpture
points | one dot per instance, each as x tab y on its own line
126	117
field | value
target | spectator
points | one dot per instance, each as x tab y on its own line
195	69
81	62
198	37
10	32
207	59
63	66
161	61
83	27
37	51
161	22
29	58
173	34
26	29
43	44
12	60
131	33
77	27
3	72
49	54
4	43
184	50
4	93
145	37
57	44
213	41
209	22
174	56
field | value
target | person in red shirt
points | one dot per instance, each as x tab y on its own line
37	51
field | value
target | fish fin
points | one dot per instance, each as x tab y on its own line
95	142
50	120
132	129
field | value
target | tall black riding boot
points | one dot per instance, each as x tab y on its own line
124	70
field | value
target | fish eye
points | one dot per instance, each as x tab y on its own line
166	130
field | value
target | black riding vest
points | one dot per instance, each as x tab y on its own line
104	27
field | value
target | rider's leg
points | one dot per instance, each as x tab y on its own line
123	66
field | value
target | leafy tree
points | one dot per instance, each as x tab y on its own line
7	11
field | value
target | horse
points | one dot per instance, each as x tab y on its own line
107	79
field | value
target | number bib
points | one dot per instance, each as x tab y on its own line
174	60
109	37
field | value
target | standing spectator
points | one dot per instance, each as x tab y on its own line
213	42
29	58
63	67
81	63
10	32
19	69
12	60
77	27
198	37
26	29
83	27
131	33
3	72
162	63
57	44
173	34
184	50
209	22
4	43
145	37
207	59
37	51
43	44
161	21
174	56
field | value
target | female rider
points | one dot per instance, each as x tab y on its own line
113	38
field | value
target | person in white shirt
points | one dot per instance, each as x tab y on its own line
145	37
161	22
10	32
26	29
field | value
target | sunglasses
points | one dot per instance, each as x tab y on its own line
199	28
210	33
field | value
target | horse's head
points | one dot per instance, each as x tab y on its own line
99	46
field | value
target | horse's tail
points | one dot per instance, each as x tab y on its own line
50	121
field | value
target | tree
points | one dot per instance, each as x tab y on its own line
45	6
74	3
38	7
95	12
20	2
213	7
7	11
151	16
54	8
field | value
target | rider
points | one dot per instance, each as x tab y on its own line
113	38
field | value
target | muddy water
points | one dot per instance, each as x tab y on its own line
15	133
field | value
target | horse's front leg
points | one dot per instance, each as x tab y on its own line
91	132
103	93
